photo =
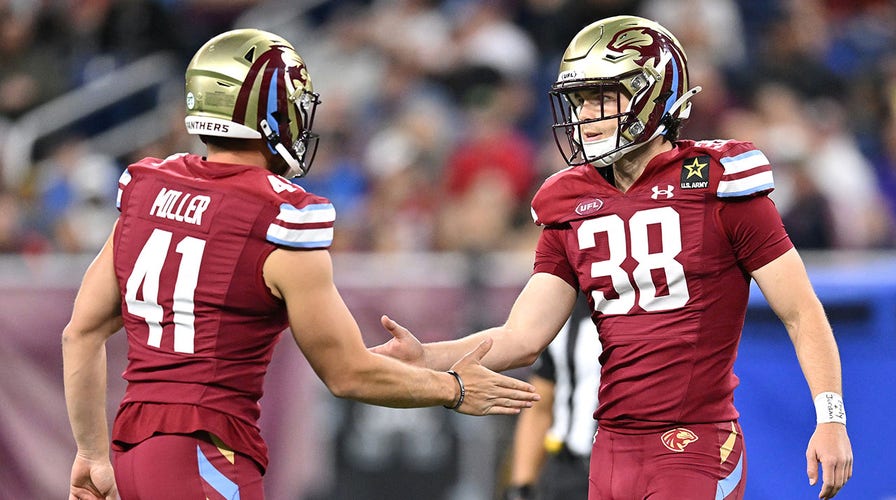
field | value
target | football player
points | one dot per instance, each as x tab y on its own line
663	236
210	260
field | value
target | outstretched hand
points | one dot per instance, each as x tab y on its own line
92	480
490	393
403	345
830	446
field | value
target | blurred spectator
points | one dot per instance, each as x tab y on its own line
807	216
195	21
416	163
412	127
711	103
106	34
77	189
886	166
698	24
791	51
863	33
485	35
792	131
16	235
337	172
31	68
848	180
553	23
491	173
414	32
344	61
404	200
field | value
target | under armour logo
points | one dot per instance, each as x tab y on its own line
666	192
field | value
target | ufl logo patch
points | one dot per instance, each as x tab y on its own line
695	173
588	206
678	439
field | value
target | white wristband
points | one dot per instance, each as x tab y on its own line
829	408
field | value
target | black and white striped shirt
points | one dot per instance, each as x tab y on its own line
571	362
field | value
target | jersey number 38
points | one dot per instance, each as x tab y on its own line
641	279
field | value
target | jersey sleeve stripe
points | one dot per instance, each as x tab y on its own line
308	227
300	238
745	174
319	212
752	184
743	162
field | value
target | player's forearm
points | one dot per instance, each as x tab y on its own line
504	354
817	352
443	355
530	436
383	381
84	367
528	447
786	286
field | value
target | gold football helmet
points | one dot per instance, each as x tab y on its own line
251	84
622	54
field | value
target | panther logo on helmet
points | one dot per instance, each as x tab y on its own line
638	40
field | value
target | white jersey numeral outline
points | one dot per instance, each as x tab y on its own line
147	271
641	279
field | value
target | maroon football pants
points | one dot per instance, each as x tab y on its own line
187	467
691	462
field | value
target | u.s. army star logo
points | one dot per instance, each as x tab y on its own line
695	173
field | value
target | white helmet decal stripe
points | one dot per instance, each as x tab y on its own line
205	125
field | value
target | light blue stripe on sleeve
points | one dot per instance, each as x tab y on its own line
746	192
304	244
744	161
318	212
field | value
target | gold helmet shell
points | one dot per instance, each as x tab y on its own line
625	54
251	84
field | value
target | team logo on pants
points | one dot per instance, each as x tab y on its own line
677	439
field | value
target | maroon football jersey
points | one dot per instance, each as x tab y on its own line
201	324
665	267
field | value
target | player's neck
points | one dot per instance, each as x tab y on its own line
239	157
629	168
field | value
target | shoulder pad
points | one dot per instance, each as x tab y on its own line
305	220
745	169
570	194
148	162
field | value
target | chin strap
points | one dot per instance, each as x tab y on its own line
277	148
681	101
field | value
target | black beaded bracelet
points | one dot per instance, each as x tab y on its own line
463	391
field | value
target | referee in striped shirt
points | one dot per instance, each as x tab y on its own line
552	441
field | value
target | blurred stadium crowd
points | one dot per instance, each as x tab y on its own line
435	122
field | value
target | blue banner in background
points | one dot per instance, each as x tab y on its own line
776	408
